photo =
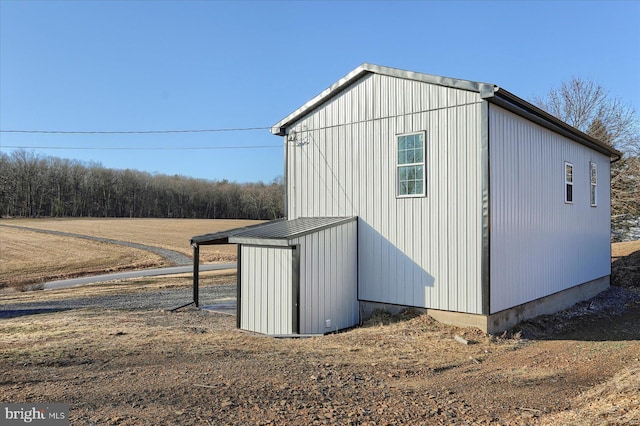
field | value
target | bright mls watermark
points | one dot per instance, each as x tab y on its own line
34	414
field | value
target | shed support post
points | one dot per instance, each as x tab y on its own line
196	273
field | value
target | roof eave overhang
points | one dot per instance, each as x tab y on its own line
224	237
280	128
252	234
519	106
288	240
257	241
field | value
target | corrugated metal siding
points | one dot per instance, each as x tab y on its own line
414	251
539	244
266	289
329	280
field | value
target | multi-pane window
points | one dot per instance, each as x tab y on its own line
593	175
411	165
568	182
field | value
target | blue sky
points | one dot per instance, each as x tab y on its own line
174	65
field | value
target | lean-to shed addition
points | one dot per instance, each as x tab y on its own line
471	203
295	276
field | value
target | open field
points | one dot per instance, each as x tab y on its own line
27	257
172	234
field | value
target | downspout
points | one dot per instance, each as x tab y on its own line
286	177
617	157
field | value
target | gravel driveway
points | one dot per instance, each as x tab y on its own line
148	300
172	256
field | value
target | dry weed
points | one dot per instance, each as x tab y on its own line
614	402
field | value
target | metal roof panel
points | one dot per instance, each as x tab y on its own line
222	237
288	229
276	232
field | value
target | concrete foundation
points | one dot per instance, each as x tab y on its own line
553	303
503	320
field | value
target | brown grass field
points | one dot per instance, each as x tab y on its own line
172	234
624	249
28	257
150	367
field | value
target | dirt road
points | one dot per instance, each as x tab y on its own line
171	255
134	274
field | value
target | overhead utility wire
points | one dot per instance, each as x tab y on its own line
115	148
134	132
387	117
231	129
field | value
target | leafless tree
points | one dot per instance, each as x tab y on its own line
588	106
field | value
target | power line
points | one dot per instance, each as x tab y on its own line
134	132
114	148
233	129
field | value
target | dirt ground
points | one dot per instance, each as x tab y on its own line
118	364
157	367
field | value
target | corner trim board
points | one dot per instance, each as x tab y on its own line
239	287
485	278
295	290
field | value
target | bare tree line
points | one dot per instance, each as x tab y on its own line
32	185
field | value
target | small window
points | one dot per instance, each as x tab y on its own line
411	165
568	182
593	173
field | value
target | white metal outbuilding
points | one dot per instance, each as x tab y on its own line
471	203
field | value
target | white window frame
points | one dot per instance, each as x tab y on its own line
400	166
593	183
568	182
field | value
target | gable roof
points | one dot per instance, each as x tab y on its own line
490	92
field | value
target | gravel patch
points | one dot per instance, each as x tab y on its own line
149	300
610	303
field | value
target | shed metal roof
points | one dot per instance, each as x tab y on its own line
277	232
222	237
491	92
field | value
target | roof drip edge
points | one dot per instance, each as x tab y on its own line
280	128
530	112
487	91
